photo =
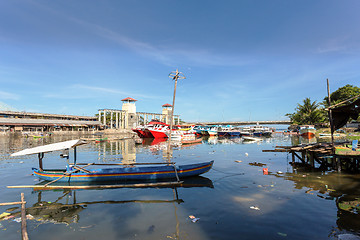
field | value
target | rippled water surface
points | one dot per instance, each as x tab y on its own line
234	200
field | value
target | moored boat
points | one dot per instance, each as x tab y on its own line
79	172
307	131
125	173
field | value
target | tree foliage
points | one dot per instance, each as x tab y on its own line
310	112
307	113
342	94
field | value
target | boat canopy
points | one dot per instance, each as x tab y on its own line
50	147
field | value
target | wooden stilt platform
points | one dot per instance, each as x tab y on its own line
321	155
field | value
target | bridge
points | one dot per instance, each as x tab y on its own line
236	123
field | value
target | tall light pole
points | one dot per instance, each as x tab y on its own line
175	75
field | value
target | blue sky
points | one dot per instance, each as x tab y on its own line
243	59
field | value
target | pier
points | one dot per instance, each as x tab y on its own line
321	156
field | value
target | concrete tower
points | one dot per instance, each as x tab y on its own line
130	108
166	111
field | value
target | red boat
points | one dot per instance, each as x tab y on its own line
139	131
155	129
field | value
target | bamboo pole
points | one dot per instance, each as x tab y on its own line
330	115
10	203
124	164
23	218
330	107
160	184
66	174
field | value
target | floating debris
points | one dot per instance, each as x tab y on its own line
194	219
255	208
257	164
238	161
4	214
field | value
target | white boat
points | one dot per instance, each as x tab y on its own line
253	139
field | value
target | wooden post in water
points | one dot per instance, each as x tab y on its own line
330	116
23	218
175	76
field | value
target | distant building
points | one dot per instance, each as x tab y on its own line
27	121
129	118
166	111
130	108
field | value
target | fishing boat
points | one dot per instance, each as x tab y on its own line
307	131
212	131
77	172
98	140
155	129
228	131
347	151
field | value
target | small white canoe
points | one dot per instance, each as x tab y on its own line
254	139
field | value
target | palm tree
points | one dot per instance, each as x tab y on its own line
307	113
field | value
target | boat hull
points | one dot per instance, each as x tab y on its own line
158	133
307	131
126	173
308	134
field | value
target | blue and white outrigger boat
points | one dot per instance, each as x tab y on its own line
77	172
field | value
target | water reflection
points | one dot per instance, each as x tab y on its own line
341	188
326	203
117	151
76	208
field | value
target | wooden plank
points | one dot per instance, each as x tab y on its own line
296	149
309	147
276	150
43	187
288	147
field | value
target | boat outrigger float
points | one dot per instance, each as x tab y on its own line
77	172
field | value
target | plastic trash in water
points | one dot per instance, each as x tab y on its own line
246	154
354	145
280	172
255	208
4	214
265	171
194	219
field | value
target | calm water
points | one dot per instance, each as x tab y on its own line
235	200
